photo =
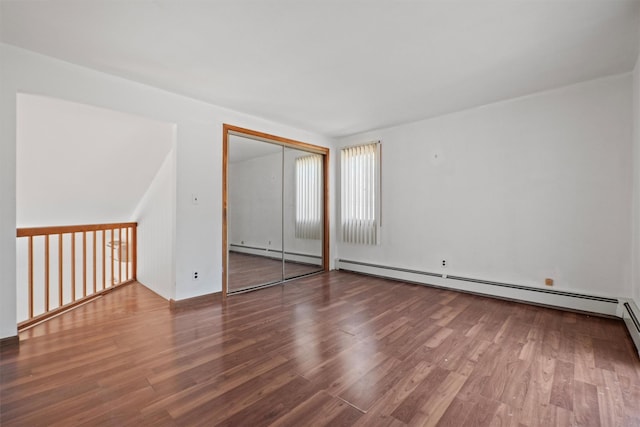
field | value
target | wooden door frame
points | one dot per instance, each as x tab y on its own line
286	142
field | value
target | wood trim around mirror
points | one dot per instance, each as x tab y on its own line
324	151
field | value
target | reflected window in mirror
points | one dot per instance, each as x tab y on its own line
309	197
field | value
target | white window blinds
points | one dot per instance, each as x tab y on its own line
360	201
309	197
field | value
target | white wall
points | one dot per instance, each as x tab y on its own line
636	184
8	118
79	164
516	191
155	215
198	240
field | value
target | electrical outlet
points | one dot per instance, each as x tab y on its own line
195	275
444	263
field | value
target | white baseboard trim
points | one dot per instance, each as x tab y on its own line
631	315
543	296
277	254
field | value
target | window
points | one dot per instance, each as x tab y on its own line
309	197
360	195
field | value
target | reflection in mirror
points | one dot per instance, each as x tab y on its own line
254	213
303	212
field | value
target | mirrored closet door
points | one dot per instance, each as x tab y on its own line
254	213
275	218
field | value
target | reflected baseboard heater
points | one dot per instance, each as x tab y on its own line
616	307
277	254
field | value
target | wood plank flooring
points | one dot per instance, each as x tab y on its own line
334	349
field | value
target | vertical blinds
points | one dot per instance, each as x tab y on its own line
309	197
360	193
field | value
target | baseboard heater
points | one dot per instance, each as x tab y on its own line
552	297
631	315
277	254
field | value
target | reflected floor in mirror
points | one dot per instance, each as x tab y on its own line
247	271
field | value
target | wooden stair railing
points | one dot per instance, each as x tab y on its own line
79	273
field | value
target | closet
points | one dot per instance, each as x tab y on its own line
275	223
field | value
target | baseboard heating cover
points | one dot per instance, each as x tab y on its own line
631	316
544	296
277	254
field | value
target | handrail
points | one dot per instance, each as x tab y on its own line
82	274
63	229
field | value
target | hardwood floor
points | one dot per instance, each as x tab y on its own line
332	349
246	271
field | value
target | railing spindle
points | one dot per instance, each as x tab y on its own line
84	263
112	268
30	276
95	285
128	252
104	263
134	254
120	255
59	270
46	273
73	267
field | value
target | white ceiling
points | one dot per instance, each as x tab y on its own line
79	164
337	67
